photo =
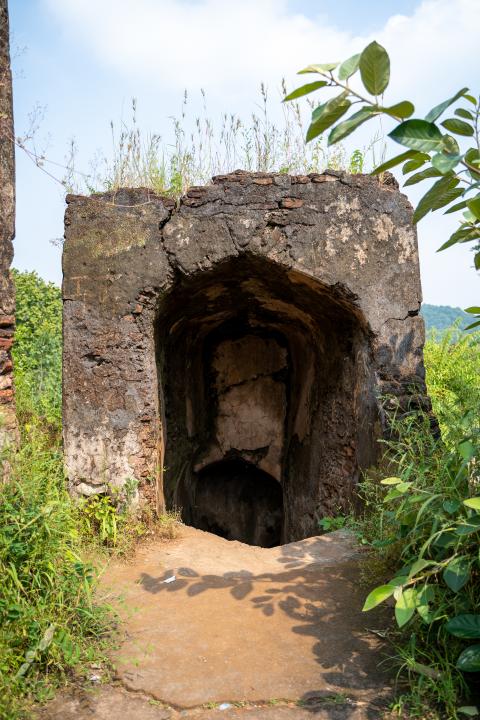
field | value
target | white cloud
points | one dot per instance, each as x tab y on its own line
228	47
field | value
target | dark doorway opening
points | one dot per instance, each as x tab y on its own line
266	384
238	501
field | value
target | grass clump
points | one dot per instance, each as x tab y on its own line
199	148
110	523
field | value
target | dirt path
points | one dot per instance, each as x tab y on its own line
270	633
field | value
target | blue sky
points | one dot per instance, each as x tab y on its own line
83	61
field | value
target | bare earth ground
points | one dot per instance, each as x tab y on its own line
272	633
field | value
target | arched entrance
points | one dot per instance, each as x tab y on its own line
264	382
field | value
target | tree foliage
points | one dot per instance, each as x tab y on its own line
443	146
37	351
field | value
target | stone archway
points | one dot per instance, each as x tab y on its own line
292	300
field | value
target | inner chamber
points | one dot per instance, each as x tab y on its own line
269	415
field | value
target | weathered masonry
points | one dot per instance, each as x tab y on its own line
8	424
229	353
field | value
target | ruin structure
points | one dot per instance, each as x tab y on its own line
229	354
8	426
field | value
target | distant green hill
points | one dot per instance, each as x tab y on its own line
441	317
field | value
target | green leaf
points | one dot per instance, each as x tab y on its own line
469	660
473	309
395	161
444	163
329	113
457	573
462	235
467	529
471	99
391	481
418	135
473	325
348	126
461	112
474	207
422	175
449	196
472	157
467	451
423	607
377	596
470	710
459	127
473	503
400	110
454	208
349	67
305	90
318	111
405	606
403	487
418	566
393	494
439	109
374	67
414	164
450	145
436	192
323	68
464	626
451	506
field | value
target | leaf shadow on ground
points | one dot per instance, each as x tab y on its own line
324	600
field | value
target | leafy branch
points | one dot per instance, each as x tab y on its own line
440	154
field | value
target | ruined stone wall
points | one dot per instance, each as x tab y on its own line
322	269
7	231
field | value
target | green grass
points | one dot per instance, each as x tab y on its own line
50	625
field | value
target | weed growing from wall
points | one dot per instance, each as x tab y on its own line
201	148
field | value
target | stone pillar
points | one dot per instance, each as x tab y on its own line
8	425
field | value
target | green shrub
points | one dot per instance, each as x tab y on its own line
425	524
37	350
49	623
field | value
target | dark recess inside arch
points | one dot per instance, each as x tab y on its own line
236	500
328	428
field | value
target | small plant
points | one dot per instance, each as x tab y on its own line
101	518
117	525
329	524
